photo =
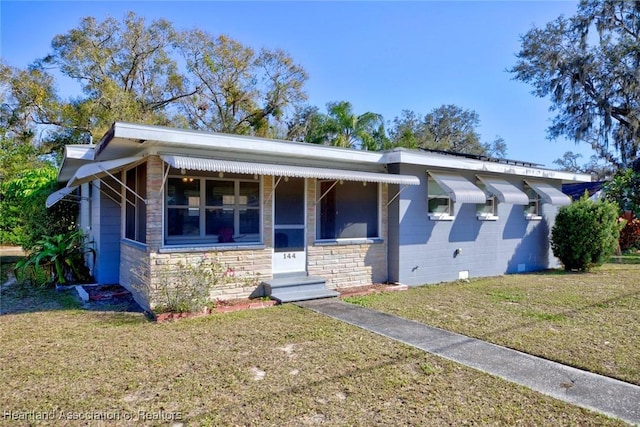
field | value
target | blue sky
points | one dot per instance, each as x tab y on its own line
380	56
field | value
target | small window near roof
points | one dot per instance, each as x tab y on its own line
440	206
489	210
532	211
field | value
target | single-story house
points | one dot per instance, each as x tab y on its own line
320	217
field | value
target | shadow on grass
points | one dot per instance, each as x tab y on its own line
18	298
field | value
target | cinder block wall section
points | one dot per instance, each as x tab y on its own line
431	251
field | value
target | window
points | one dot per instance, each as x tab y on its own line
440	206
349	210
532	211
212	210
489	210
135	208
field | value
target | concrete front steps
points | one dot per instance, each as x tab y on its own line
297	287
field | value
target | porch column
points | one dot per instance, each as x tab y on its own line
154	203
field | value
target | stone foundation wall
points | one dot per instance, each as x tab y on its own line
247	269
134	267
349	265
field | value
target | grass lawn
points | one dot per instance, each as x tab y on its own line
590	320
281	366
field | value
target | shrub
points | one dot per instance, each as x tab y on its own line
585	233
186	287
630	233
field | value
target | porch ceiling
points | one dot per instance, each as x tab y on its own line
215	165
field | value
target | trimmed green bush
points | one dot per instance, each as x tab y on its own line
585	233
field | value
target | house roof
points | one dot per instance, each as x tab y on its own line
128	139
447	161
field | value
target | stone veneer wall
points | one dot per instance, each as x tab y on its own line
347	264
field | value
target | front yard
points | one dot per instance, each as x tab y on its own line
590	321
276	366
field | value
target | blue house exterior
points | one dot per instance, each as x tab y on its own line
154	197
425	248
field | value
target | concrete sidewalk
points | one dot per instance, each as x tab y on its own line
596	392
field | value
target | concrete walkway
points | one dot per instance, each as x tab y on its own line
596	392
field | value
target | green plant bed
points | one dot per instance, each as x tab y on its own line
58	259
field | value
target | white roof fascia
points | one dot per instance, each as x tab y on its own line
451	162
75	155
157	136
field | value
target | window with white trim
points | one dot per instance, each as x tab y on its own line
348	210
532	210
204	210
489	210
440	205
135	208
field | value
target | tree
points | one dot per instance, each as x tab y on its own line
496	149
341	127
26	98
304	124
448	128
624	190
597	170
587	66
24	218
127	71
569	162
147	72
240	90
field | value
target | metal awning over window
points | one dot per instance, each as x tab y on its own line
459	189
214	165
97	170
548	193
56	196
505	191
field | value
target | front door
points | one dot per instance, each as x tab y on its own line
289	246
